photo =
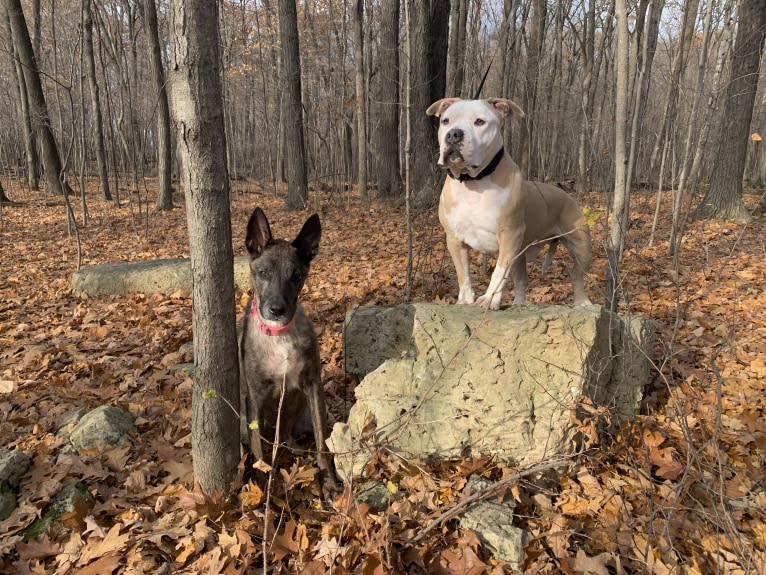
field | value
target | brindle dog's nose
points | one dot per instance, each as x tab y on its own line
454	136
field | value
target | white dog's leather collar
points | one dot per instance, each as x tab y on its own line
485	172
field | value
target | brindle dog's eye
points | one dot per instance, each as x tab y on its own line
479	122
263	273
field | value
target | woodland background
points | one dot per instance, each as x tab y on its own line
679	491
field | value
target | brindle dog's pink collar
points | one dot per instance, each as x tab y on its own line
269	329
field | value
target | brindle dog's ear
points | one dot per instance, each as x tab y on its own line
258	232
307	242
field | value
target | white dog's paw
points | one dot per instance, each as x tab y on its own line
465	297
488	302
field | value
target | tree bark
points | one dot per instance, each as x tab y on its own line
387	134
422	130
39	108
529	99
297	184
616	230
723	199
164	165
456	50
361	111
195	80
438	36
90	70
30	140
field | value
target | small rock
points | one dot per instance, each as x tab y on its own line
493	525
70	497
105	425
374	494
13	464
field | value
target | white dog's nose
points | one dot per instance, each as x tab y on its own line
454	136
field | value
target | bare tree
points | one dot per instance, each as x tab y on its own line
616	237
421	129
165	191
23	48
724	197
297	184
387	134
456	50
438	37
361	112
90	70
195	81
529	97
30	140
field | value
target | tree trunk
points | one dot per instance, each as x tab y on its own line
90	70
387	134
616	230
422	132
361	112
297	185
30	140
456	50
724	197
526	135
677	69
164	165
438	36
3	198
195	80
39	108
589	34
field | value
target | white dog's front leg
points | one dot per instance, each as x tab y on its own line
461	258
491	299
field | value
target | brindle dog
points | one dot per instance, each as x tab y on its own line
278	347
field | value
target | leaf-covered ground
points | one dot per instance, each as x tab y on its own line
681	490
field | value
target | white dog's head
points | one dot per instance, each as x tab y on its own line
471	131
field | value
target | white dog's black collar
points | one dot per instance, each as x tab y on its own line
485	172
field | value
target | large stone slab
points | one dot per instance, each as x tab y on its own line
164	276
448	381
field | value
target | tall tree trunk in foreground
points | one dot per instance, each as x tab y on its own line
195	81
361	111
90	69
724	197
387	134
164	166
616	230
39	108
297	185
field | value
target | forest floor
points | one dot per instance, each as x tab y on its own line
679	490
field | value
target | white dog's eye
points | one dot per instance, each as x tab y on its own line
479	122
445	121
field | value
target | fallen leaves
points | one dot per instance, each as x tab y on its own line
680	490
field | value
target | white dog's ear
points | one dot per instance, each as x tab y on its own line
506	107
438	107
